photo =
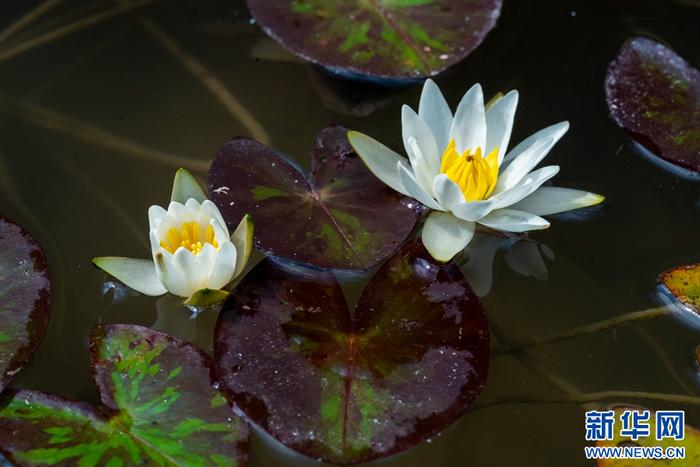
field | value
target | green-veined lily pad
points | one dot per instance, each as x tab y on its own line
159	408
25	297
684	283
691	443
348	387
382	39
339	216
655	95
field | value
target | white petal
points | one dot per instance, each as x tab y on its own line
452	199
499	124
473	210
156	214
170	275
139	274
206	259
522	165
192	270
193	206
224	267
414	189
469	124
551	200
185	186
511	220
526	186
447	192
434	111
413	126
213	212
444	235
419	167
379	159
178	211
555	132
155	241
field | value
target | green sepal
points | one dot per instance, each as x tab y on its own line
242	239
185	186
496	97
207	297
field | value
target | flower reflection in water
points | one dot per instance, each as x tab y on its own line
522	254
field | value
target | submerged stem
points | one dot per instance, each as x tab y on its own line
97	136
70	28
580	331
211	82
586	398
28	18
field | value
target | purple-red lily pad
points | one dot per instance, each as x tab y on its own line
159	408
349	387
655	95
25	298
392	40
338	216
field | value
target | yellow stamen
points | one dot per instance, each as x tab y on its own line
188	236
475	175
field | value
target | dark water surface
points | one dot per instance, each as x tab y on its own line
89	124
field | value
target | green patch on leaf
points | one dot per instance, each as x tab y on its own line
346	386
261	193
393	39
158	389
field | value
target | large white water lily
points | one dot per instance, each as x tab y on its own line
458	167
193	255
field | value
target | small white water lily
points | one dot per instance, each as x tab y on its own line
193	255
458	167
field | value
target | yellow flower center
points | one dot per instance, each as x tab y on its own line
475	175
188	236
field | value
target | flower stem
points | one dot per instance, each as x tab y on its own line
585	330
28	18
210	82
587	398
97	136
70	28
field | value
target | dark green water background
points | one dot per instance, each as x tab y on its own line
82	199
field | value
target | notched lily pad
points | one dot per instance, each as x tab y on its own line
691	443
655	95
352	387
393	40
339	216
25	298
683	283
159	408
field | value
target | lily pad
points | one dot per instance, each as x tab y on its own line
25	298
159	407
339	216
684	283
394	40
349	387
691	443
655	95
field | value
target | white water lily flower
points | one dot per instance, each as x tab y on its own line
458	167
193	255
